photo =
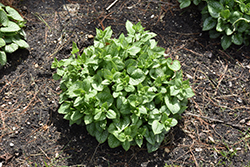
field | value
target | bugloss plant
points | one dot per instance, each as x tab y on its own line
228	19
124	90
12	35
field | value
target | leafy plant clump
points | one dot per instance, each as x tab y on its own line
12	35
228	19
124	90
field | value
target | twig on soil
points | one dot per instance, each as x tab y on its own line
111	5
94	153
198	54
221	78
44	153
195	161
216	120
130	7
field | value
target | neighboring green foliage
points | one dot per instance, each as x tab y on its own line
11	34
124	90
228	19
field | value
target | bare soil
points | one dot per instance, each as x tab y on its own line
213	131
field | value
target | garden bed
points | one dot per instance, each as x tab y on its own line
214	130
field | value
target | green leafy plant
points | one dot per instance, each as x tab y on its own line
124	90
228	19
12	35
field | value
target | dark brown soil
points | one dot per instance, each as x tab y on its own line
214	130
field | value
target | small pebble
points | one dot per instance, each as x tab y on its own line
28	123
167	150
198	149
90	36
239	100
11	144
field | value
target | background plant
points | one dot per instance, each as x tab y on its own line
124	90
228	19
12	35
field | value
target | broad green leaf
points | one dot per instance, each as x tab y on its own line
235	16
171	122
11	27
220	25
139	142
88	119
74	48
184	3
91	129
214	8
56	76
133	50
125	109
173	104
242	26
21	43
173	65
157	127
134	100
229	30
226	42
126	145
99	116
3	18
108	33
3	58
2	42
209	23
160	137
74	89
174	90
11	48
225	14
14	14
165	110
196	2
97	83
111	114
129	88
189	92
78	101
76	115
113	141
150	137
152	148
118	64
214	34
142	110
136	77
64	108
101	137
129	27
237	38
105	97
123	123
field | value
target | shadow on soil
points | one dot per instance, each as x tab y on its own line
13	60
81	148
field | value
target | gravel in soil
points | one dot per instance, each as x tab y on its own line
214	130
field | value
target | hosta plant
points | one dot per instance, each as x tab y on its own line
227	19
124	90
12	35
